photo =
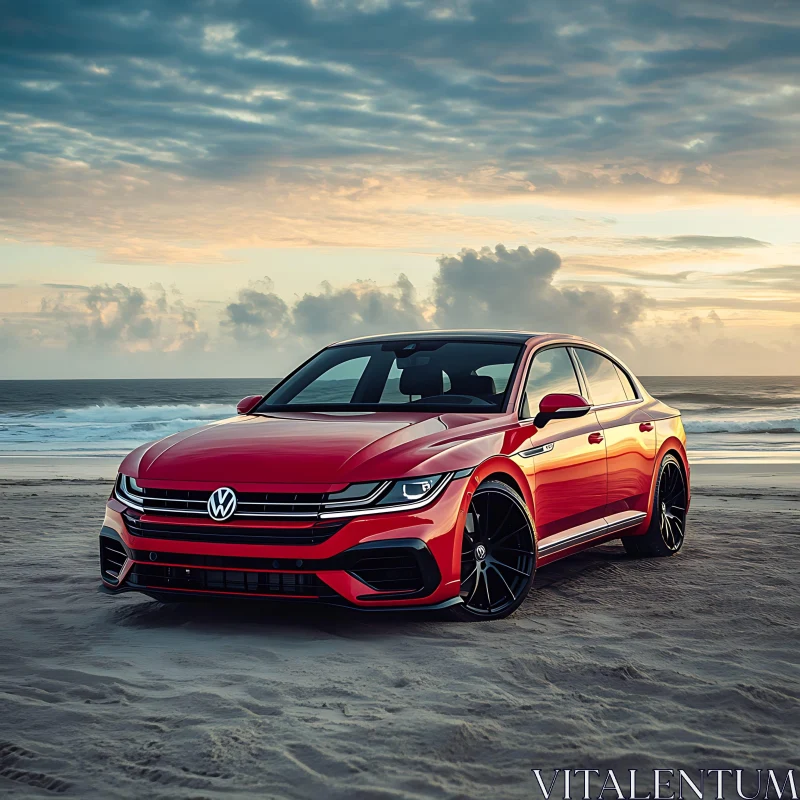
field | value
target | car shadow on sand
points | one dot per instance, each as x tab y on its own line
234	616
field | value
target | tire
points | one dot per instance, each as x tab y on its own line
667	530
496	580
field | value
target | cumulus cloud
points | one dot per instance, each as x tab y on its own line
119	316
498	287
358	311
514	289
258	314
117	313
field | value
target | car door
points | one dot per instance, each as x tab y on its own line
629	433
568	472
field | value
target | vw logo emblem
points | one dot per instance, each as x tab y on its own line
480	552
222	504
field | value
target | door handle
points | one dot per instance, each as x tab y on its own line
645	426
595	438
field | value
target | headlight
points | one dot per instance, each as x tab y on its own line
388	496
129	492
410	490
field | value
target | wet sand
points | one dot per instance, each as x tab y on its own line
611	663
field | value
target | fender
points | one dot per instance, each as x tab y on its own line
667	432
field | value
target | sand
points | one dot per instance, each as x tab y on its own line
612	663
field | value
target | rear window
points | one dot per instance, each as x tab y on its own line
602	377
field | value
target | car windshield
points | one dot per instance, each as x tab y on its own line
421	374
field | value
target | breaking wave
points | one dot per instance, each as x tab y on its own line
727	425
104	428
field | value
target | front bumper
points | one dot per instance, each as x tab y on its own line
397	560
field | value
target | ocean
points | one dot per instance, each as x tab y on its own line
727	419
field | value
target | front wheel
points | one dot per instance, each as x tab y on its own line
498	554
667	528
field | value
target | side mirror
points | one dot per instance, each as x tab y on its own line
248	403
561	406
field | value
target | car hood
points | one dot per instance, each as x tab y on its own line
329	449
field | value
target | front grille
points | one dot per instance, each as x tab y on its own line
248	504
232	533
389	571
297	584
112	558
253	505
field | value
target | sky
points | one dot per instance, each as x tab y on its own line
222	187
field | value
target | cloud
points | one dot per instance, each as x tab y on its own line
159	332
697	242
259	314
108	104
785	277
498	288
514	289
115	318
116	313
638	275
710	345
358	311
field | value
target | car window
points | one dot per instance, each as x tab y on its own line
551	372
627	384
425	374
335	385
499	373
602	377
391	391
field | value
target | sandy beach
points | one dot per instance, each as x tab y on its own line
685	662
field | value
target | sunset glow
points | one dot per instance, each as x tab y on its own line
234	188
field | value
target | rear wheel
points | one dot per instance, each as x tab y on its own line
498	554
667	528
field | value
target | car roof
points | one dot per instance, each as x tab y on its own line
465	334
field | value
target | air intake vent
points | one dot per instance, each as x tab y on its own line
112	559
231	533
296	584
389	571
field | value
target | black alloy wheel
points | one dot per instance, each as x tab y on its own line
667	529
498	554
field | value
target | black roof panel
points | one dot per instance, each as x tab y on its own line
466	334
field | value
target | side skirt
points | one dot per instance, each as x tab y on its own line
583	534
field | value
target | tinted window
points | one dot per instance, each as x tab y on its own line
499	373
602	377
627	385
335	385
424	374
551	373
391	391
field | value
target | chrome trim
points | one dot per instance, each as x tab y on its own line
165	512
585	535
325	510
139	503
364	512
120	492
628	522
617	405
537	451
272	505
567	410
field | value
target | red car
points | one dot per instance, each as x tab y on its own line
417	470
